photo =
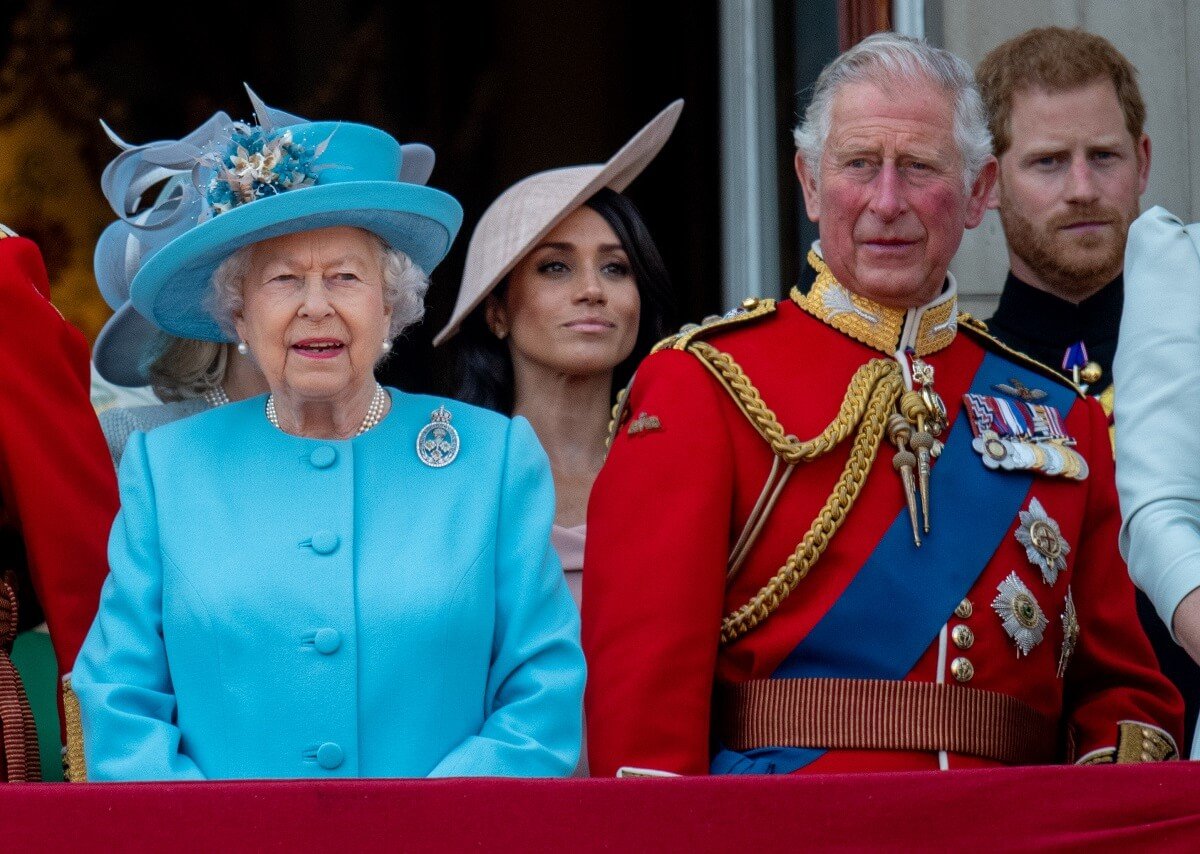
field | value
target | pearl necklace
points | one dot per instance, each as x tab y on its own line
216	396
374	411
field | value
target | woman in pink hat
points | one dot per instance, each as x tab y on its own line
563	293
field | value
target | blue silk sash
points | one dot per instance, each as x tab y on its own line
899	600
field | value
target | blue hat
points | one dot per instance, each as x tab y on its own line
128	343
250	183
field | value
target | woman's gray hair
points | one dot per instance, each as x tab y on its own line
404	287
181	368
883	59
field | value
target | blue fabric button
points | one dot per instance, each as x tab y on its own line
330	756
327	641
323	457
325	542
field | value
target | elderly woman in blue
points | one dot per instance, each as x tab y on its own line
337	579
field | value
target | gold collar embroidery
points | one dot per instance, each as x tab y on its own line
926	329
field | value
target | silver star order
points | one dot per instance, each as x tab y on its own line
1070	624
1044	543
1022	616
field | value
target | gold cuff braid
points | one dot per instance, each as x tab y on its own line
1139	742
870	398
1136	742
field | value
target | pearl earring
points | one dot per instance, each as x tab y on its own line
386	346
242	348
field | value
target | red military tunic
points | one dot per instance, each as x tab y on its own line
687	469
58	493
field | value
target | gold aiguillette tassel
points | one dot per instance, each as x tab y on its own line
922	440
914	410
904	461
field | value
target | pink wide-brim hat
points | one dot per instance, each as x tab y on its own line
530	209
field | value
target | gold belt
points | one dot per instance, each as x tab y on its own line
869	714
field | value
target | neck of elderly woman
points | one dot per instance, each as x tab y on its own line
337	417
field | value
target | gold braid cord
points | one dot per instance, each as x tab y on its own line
790	449
870	399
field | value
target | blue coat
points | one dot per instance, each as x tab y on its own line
289	607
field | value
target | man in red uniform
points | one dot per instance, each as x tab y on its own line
58	492
849	530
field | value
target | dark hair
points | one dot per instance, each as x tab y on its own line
485	366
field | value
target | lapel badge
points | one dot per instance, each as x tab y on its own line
644	423
437	443
1022	616
1015	388
1045	546
1070	624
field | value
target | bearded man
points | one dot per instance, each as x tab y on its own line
848	530
1067	121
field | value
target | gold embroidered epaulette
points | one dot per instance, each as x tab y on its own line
752	308
978	331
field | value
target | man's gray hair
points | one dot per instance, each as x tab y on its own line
404	287
886	59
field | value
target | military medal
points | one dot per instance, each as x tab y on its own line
1074	358
1023	456
1019	435
994	451
1022	616
437	443
1070	625
1045	546
1076	460
1083	370
1055	463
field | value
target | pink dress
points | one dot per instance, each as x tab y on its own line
568	542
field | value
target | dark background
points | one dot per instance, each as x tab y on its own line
499	90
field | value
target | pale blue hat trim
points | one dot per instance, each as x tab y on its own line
125	347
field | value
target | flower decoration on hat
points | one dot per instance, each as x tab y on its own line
259	163
1045	546
1022	616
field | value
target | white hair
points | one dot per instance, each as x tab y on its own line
404	287
883	59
